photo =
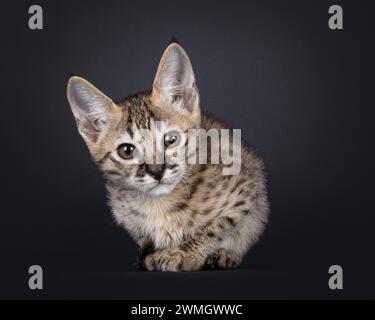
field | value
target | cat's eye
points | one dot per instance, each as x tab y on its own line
126	151
171	139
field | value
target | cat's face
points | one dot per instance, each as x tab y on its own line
140	141
146	148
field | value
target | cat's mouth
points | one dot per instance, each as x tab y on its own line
163	182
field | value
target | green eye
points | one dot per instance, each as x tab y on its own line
170	139
126	151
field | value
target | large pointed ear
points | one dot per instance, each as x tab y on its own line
174	83
91	108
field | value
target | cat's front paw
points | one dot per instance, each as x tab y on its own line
223	259
174	260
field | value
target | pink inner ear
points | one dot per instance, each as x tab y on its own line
89	106
187	99
88	128
175	80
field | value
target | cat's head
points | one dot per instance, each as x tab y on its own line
139	140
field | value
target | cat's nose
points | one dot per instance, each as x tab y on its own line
155	170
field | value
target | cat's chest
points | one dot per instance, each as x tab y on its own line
158	221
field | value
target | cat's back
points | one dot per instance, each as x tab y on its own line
250	161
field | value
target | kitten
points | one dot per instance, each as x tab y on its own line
184	217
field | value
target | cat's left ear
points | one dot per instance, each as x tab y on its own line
174	85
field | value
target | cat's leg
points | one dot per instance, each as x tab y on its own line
192	253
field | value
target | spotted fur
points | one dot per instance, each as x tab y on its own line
201	219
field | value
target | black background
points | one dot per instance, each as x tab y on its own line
301	93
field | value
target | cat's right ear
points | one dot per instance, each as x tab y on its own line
91	108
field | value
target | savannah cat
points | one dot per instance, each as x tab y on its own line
183	217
